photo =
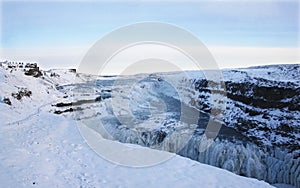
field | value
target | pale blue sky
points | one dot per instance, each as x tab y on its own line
38	24
219	23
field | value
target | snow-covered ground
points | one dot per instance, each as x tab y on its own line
44	149
48	151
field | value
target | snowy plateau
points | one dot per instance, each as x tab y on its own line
258	144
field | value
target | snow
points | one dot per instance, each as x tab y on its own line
48	151
39	148
283	73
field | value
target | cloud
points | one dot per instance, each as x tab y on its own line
225	56
237	56
53	57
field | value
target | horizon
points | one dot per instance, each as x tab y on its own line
151	72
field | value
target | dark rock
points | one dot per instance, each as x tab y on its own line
7	101
23	92
35	72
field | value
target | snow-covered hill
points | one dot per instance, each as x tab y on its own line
41	145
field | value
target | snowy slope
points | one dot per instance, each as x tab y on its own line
40	148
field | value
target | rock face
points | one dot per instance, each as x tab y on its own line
263	104
266	111
269	109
